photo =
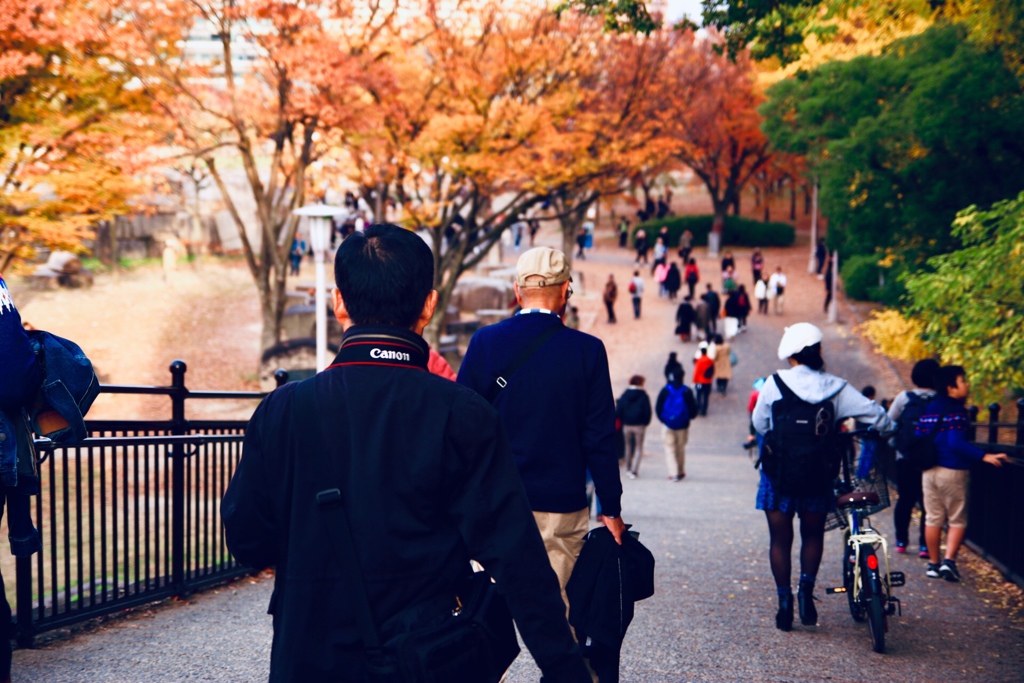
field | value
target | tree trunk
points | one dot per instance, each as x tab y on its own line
792	201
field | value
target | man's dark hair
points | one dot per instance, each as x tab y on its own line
810	356
924	372
947	375
384	274
868	391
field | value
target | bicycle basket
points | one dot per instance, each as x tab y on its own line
875	483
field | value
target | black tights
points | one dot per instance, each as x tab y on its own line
812	543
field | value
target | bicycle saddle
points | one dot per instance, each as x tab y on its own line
857	499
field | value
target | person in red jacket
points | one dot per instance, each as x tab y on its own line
703	374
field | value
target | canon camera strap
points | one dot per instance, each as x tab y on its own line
376	349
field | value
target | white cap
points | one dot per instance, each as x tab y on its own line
797	338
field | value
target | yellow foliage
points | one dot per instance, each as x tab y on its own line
894	335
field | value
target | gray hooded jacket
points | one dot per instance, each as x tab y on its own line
815	386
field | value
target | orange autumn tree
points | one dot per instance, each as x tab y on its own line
614	128
73	131
285	78
464	135
717	130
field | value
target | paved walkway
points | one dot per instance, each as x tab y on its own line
712	617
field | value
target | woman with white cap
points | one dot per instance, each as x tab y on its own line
806	378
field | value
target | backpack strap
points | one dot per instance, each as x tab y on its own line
501	378
787	393
329	502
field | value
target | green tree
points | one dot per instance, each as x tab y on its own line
972	303
903	140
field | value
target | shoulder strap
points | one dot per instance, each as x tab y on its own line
330	503
501	381
786	392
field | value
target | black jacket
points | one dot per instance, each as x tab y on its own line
428	482
714	303
634	407
606	581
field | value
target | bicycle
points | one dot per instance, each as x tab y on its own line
867	583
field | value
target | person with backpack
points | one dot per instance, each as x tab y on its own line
634	409
798	412
906	409
944	424
636	292
674	407
703	374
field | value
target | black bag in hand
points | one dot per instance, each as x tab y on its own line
472	640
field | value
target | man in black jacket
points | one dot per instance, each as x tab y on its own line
634	409
426	477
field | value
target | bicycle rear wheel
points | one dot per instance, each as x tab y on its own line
876	621
856	609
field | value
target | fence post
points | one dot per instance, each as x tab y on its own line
178	427
23	601
281	377
993	418
972	427
1020	422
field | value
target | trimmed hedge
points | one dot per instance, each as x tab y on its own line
738	231
863	280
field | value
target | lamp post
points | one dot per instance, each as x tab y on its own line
318	220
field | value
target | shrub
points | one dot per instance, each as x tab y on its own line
864	279
741	232
860	275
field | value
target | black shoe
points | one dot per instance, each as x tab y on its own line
808	612
948	571
784	617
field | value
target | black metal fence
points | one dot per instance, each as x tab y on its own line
132	514
996	499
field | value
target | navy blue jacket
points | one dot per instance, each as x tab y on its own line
427	481
954	451
20	377
20	374
558	410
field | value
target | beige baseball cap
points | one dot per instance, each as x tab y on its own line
545	265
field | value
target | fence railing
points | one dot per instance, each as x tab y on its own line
132	514
995	509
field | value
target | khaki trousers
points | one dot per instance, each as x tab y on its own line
675	451
634	437
563	534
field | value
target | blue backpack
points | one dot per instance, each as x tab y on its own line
673	412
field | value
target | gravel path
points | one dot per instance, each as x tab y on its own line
711	618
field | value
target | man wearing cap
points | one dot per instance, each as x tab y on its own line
551	386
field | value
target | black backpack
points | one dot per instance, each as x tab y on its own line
801	453
919	450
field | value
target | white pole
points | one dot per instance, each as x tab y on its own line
321	312
812	263
318	219
833	307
